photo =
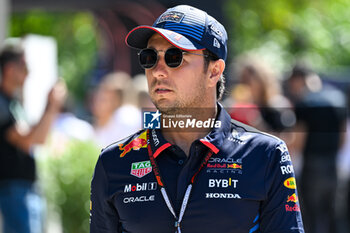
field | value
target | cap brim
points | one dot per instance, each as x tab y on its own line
139	36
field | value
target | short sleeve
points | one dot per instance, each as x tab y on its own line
280	211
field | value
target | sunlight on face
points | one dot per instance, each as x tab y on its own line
174	88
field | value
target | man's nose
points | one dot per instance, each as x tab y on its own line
160	69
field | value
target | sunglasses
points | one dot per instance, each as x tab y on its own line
173	57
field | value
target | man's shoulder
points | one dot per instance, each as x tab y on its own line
254	144
129	145
257	137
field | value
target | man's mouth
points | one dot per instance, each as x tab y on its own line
162	90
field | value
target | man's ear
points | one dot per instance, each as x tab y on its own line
215	70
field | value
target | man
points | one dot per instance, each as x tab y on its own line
223	178
321	117
19	203
111	111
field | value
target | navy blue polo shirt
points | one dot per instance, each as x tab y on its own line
248	184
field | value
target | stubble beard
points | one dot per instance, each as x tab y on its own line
183	105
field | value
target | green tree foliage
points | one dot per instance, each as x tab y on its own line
294	30
66	178
75	34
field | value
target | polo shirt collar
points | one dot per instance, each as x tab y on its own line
158	142
213	140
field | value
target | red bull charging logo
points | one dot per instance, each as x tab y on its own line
292	198
136	144
234	166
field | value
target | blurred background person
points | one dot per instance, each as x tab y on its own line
20	203
243	107
343	165
61	130
320	112
262	89
257	100
140	86
113	108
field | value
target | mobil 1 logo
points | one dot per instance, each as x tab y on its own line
140	187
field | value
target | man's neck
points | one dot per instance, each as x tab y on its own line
185	137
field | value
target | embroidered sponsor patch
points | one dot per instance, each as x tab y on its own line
140	169
140	187
216	30
216	43
294	208
287	169
224	165
171	16
136	144
222	183
293	198
139	199
290	183
222	196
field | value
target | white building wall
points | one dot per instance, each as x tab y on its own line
4	14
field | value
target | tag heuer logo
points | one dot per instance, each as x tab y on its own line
140	169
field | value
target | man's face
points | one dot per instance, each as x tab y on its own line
105	102
19	72
174	88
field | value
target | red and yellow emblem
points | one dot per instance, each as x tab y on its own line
234	166
293	198
136	144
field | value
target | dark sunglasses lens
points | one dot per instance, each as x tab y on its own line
173	57
148	58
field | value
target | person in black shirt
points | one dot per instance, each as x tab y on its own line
321	114
18	200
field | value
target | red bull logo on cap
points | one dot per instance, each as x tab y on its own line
293	198
172	16
136	144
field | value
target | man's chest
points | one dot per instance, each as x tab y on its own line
226	196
